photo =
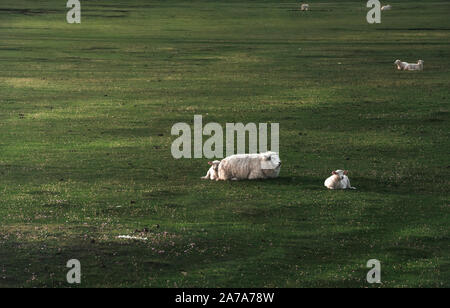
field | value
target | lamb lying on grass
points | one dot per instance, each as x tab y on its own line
304	7
338	180
249	167
213	173
405	66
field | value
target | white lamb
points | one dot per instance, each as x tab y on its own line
304	7
414	66
338	180
249	166
213	171
386	7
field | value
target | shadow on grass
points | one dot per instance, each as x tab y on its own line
300	181
227	257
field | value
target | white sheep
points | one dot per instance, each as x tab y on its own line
386	7
338	180
213	171
304	7
414	66
249	166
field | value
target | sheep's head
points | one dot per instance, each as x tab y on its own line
340	173
270	160
397	62
420	62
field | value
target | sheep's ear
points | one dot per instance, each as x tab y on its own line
345	172
334	172
210	163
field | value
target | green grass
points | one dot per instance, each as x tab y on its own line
85	120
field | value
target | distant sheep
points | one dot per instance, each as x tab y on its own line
405	66
304	7
386	7
414	66
249	166
213	173
338	180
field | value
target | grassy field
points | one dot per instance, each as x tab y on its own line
86	112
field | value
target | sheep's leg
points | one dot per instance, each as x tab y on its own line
350	185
